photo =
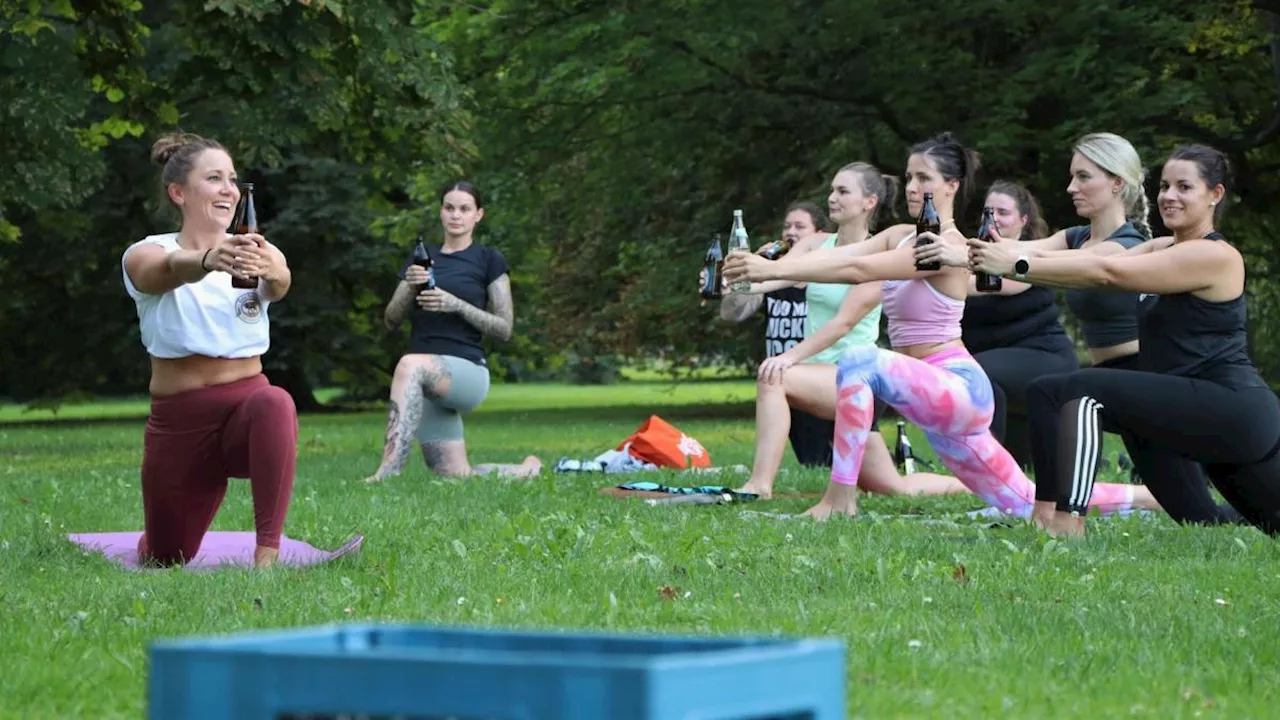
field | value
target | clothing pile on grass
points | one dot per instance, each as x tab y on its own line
655	445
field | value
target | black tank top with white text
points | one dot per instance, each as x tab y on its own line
785	311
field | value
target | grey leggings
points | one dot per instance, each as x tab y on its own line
468	385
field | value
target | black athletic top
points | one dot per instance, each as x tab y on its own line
466	275
1028	319
1107	317
1181	334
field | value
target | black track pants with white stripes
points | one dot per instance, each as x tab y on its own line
1176	429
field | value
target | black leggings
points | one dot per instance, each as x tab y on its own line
1176	429
1011	370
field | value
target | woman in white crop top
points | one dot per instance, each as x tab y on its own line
213	414
928	377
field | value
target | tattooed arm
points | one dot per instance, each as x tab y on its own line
737	307
399	307
496	324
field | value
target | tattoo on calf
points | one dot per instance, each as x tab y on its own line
429	383
391	441
433	454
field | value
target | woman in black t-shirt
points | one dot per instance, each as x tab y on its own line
1015	335
445	374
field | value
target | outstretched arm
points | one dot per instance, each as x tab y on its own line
1056	242
737	307
829	265
1191	266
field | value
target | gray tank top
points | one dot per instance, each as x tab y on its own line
1108	317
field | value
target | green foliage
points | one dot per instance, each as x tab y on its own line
610	141
625	139
333	110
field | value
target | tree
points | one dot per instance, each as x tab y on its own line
344	115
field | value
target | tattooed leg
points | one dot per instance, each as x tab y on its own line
416	378
446	457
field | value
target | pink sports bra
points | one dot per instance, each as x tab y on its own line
918	313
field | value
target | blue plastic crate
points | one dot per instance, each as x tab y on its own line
387	672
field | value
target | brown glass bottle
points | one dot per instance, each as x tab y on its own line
422	258
986	282
713	272
248	223
777	249
928	221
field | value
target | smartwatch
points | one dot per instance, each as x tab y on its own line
1020	268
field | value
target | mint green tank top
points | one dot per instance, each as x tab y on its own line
823	301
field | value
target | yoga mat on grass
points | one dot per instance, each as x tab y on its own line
220	549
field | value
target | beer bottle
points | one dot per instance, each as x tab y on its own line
986	282
902	454
422	258
738	240
713	271
777	249
247	223
928	221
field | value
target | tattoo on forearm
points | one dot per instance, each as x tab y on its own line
400	306
737	307
498	323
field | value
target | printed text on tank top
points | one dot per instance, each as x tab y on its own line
919	313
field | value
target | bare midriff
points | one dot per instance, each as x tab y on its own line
170	376
924	350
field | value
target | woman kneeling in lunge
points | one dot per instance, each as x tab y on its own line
929	377
213	413
839	316
445	374
1196	397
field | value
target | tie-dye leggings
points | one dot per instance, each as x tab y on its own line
948	396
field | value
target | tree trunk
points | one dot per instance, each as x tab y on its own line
299	387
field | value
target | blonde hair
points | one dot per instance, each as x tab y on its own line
1118	158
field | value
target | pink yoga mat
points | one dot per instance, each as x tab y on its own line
219	549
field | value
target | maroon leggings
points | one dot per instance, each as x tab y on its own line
197	439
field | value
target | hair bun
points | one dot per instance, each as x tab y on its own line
165	147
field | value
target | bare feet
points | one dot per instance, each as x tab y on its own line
264	557
839	499
1042	513
530	467
824	510
759	489
1065	525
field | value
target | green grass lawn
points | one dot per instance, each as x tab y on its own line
1143	619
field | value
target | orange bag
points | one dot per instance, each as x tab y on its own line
661	443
